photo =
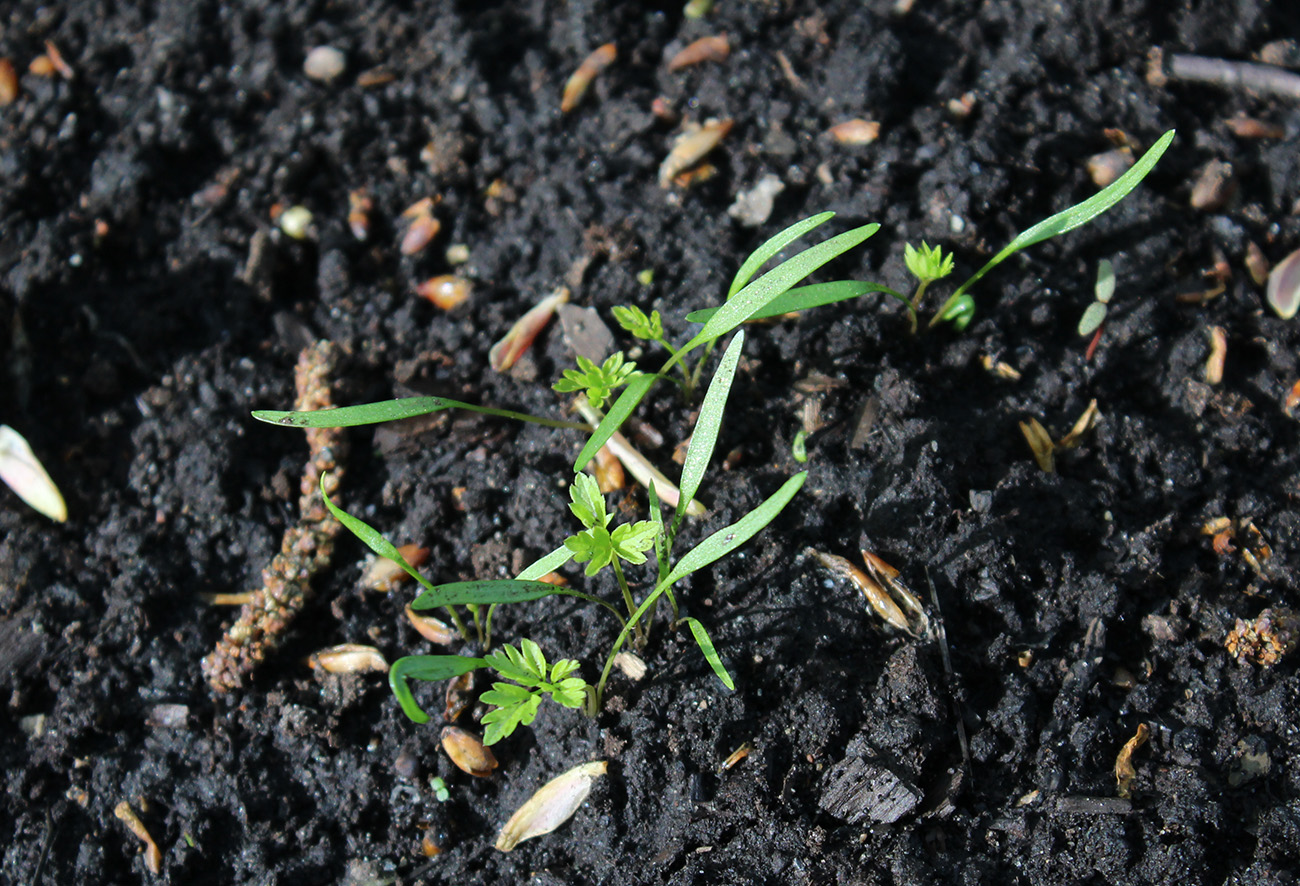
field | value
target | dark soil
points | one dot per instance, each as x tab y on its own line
150	304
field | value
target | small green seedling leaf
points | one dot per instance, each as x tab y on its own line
1066	220
1093	316
431	668
635	321
710	653
927	264
707	426
1105	281
597	382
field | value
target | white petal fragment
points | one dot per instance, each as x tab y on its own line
23	473
551	806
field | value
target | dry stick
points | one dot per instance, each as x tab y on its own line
307	546
1234	75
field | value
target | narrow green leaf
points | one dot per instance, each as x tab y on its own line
372	538
500	590
772	246
1078	214
705	435
548	564
748	301
395	410
801	298
710	654
627	401
724	541
425	667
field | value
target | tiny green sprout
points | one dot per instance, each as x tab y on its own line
440	790
598	382
799	448
515	704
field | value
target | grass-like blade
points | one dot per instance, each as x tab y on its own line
371	537
396	410
710	653
748	301
801	298
627	401
1069	219
726	540
425	667
772	246
705	434
551	562
488	591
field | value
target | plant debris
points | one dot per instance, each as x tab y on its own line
308	545
553	804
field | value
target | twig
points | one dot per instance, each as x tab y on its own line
307	546
1267	79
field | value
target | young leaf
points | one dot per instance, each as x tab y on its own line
588	504
425	667
705	435
627	401
724	541
814	295
772	246
1069	219
394	410
710	654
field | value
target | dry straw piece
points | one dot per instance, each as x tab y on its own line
552	805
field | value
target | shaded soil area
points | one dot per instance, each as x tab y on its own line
149	303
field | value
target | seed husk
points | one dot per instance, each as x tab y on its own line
430	628
1283	292
446	291
552	805
467	751
580	82
705	49
348	658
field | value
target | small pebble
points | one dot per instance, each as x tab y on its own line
325	63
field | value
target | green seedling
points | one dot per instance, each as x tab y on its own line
515	704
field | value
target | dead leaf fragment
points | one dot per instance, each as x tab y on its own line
152	855
578	84
1040	443
553	804
1125	774
468	752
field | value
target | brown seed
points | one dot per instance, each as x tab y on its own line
691	147
421	226
445	291
431	628
510	348
855	132
8	82
1107	166
578	84
705	49
1248	127
359	206
1214	187
460	695
468	752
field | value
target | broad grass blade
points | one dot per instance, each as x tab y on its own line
425	667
